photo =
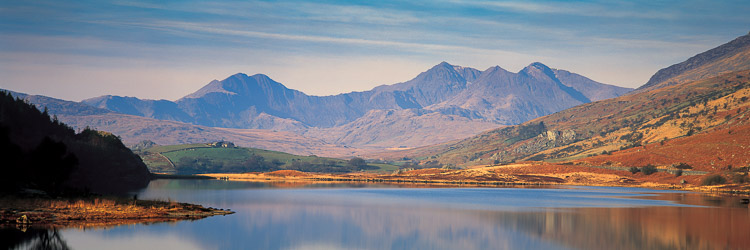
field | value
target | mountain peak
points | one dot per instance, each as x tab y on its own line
442	72
441	65
494	69
260	76
213	87
538	69
538	65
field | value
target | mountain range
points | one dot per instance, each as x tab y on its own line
696	112
134	129
448	100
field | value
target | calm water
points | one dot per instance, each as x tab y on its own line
387	217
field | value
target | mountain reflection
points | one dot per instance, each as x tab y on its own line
586	228
351	218
636	228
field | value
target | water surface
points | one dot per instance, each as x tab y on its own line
388	217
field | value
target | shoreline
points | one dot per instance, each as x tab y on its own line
524	174
42	212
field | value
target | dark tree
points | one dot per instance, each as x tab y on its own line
648	169
357	162
50	165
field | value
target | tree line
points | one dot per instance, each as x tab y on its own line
40	152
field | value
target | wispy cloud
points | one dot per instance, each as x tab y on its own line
228	30
310	11
613	41
588	9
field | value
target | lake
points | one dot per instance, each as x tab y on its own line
339	216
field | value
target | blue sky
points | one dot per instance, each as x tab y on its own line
167	49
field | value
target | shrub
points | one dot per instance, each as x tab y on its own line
739	178
682	165
713	180
357	162
648	169
678	172
634	170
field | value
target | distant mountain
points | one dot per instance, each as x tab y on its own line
639	127
511	98
134	129
729	57
401	128
452	93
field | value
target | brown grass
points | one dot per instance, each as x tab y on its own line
527	173
97	212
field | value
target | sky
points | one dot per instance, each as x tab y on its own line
75	50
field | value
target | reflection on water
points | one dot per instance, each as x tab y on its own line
366	217
31	238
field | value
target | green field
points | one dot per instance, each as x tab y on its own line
202	158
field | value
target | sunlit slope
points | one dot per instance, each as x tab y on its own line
723	148
609	125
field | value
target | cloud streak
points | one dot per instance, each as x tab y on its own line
576	9
617	42
225	30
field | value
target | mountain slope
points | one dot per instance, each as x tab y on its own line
237	101
401	128
593	90
133	129
729	57
636	120
631	121
511	98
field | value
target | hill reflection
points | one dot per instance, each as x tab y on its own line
376	218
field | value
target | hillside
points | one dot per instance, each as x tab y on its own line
404	128
227	158
443	94
627	131
40	152
724	148
729	57
630	121
133	129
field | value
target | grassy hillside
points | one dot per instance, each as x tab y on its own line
204	158
630	121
